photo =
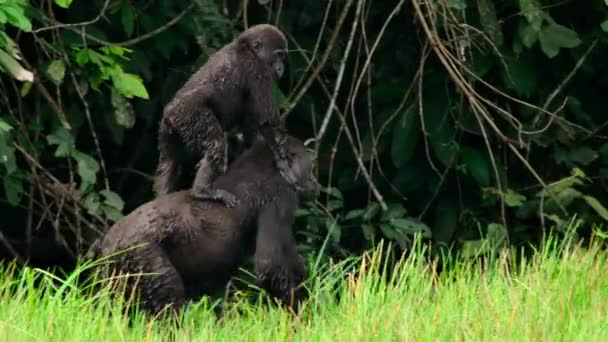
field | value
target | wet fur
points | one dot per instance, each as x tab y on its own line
196	245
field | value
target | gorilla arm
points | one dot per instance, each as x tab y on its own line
278	267
266	115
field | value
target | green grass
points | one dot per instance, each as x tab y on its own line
552	296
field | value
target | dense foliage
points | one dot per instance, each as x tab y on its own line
462	120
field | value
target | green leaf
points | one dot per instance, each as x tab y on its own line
497	235
411	226
82	57
405	137
446	220
353	214
371	211
16	17
115	50
481	62
112	214
438	122
527	34
514	199
25	89
487	17
64	141
604	26
127	18
334	205
395	210
87	167
457	4
129	85
597	206
56	71
13	189
5	127
92	203
520	74
63	3
123	111
7	154
583	155
112	199
477	164
533	12
555	36
393	234
334	192
473	248
368	231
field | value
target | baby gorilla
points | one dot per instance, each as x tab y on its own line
232	89
193	246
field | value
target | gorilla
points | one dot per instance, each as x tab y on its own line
188	247
233	88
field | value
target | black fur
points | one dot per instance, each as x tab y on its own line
233	88
196	245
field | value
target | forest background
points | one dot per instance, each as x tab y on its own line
475	124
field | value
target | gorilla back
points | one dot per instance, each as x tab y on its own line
194	246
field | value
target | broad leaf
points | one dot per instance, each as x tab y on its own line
406	132
63	3
127	18
477	164
446	220
371	211
533	12
353	214
597	206
520	74
7	155
112	199
4	126
487	17
604	26
394	234
13	189
527	34
56	71
87	167
123	111
129	85
16	16
395	210
555	36
411	226
514	199
64	141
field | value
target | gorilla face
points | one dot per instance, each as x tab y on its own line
270	46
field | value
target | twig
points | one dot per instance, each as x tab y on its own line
87	112
143	36
563	83
83	23
332	41
338	84
316	48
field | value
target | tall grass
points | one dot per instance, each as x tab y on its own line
561	293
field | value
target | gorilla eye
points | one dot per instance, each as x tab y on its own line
257	45
280	54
